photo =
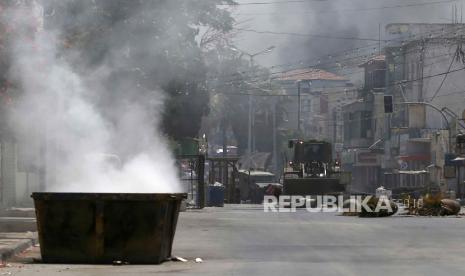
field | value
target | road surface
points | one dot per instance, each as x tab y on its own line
243	240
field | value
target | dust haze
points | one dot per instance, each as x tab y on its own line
93	145
356	21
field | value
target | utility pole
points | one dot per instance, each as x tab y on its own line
250	139
334	127
251	142
225	153
275	151
249	134
298	106
421	72
379	39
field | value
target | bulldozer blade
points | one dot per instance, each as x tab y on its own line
312	186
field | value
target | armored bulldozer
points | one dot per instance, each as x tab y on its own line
312	171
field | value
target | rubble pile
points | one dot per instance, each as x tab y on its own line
373	203
433	205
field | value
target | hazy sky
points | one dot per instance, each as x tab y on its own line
339	18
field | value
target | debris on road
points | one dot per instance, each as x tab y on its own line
198	260
433	205
352	205
179	259
450	207
373	212
120	263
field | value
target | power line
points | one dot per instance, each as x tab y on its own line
443	79
368	55
387	85
307	35
231	82
272	2
400	39
346	51
311	68
360	9
332	92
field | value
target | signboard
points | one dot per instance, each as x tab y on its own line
367	158
416	116
338	147
449	171
448	157
403	165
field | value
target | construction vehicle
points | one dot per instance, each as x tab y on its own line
312	171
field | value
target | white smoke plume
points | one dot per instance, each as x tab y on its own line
55	108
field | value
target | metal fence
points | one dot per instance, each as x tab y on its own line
192	175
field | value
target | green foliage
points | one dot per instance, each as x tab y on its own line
232	82
153	39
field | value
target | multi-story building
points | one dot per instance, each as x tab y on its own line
425	77
322	95
364	127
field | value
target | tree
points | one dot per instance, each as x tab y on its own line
232	80
149	44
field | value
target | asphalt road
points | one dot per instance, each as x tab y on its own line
243	240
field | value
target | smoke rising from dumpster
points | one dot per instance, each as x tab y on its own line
88	141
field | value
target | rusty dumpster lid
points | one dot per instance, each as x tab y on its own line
108	196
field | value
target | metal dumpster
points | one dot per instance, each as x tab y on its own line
103	228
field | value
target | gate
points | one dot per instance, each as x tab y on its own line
192	175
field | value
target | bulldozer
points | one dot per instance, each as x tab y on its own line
312	171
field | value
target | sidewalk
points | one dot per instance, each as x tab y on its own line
14	243
17	231
17	220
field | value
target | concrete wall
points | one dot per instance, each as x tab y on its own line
16	184
8	173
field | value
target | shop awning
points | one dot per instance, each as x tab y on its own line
412	172
458	159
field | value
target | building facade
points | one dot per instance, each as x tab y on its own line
315	97
424	77
364	127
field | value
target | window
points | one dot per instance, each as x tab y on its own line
379	78
365	121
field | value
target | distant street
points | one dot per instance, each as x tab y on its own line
242	240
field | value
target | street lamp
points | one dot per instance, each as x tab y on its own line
251	111
252	56
442	114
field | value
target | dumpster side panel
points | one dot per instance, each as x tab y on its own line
136	232
80	228
70	231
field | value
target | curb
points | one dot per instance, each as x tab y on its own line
16	248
